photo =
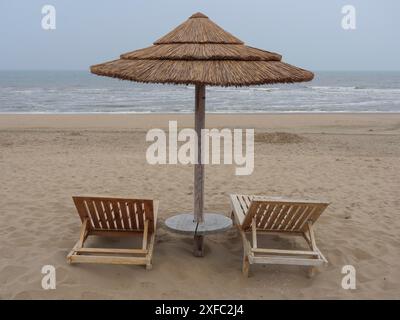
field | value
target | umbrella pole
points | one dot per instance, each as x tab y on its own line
199	168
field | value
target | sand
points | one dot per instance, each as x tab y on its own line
351	160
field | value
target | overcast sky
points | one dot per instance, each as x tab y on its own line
307	33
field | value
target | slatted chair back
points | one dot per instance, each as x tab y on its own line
116	214
281	215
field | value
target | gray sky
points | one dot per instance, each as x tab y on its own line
307	33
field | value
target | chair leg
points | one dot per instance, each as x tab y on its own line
311	241
149	265
72	252
246	252
82	238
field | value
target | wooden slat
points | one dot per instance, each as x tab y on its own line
254	232
117	214
251	212
262	210
267	215
237	209
111	250
155	214
101	213
242	203
286	252
93	215
315	215
287	260
281	216
149	214
139	214
115	233
259	212
273	215
145	233
302	226
107	259
80	207
280	232
295	217
288	217
110	218
132	215
125	216
104	198
246	200
304	217
282	200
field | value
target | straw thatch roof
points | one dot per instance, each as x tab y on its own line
200	52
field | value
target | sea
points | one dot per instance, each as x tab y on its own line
47	92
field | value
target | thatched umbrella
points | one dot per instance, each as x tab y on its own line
201	53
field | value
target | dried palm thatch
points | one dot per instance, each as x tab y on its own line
200	52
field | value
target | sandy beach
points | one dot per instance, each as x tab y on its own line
350	160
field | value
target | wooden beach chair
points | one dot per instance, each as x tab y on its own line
262	215
115	217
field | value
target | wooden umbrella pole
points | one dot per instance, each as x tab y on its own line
199	167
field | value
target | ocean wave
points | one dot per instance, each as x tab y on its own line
237	90
354	88
329	93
